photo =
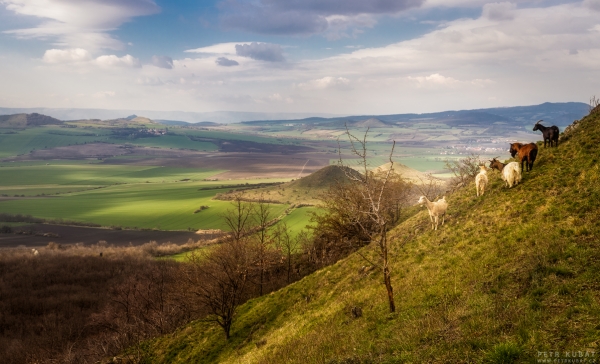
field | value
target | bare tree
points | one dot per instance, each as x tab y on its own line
380	197
262	241
239	218
430	186
288	244
218	279
464	169
594	103
338	230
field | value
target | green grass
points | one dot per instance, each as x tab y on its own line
510	274
298	219
43	137
61	174
164	206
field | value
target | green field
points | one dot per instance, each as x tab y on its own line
164	206
116	195
112	195
24	141
76	174
299	219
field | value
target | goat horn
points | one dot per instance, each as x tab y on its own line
539	121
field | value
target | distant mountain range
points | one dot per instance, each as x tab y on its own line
169	116
561	114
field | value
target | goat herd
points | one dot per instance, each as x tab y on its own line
511	172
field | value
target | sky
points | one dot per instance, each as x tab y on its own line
299	56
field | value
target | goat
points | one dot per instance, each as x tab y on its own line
481	181
550	133
526	152
511	173
35	252
436	210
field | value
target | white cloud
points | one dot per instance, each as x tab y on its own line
454	3
103	94
150	81
218	49
279	98
435	79
325	83
111	61
79	23
66	56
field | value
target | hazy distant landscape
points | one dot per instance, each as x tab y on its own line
135	173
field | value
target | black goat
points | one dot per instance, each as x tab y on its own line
550	133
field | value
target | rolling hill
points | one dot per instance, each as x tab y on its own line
20	121
512	275
305	190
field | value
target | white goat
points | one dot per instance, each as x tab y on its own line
511	172
481	180
436	210
35	252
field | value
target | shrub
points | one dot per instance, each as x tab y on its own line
202	208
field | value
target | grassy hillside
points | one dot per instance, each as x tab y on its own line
512	274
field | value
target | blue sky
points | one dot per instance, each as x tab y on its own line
310	56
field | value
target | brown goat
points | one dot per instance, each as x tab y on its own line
526	152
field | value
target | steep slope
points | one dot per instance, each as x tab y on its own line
511	276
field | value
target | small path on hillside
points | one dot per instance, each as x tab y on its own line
300	174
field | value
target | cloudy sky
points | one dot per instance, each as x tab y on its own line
321	56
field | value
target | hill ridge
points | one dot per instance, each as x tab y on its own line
23	120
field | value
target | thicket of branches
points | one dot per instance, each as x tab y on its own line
256	258
68	306
464	169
